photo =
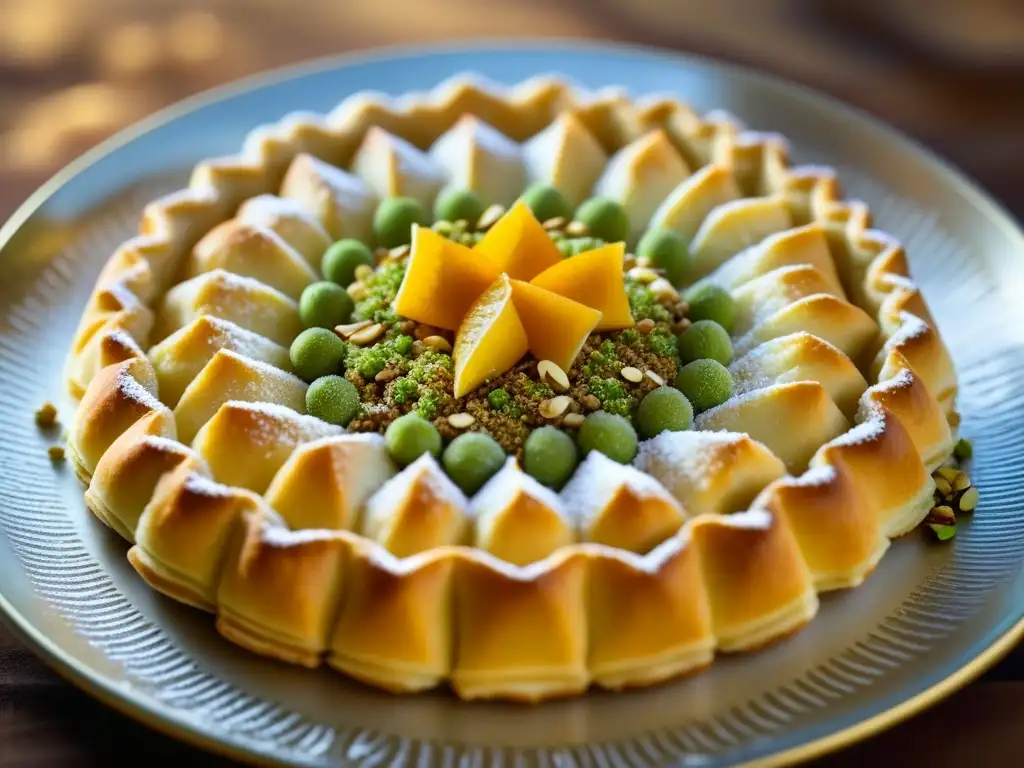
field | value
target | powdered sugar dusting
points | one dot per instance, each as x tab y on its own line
677	459
389	498
266	210
124	339
274	424
901	380
166	445
268	381
751	519
200	485
867	431
221	334
596	481
130	388
813	477
502	488
911	327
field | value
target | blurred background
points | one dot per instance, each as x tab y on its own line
72	72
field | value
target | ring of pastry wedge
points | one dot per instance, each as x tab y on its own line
313	547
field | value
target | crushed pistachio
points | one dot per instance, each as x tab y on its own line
963	450
56	452
943	532
382	287
428	404
369	361
630	336
644	304
613	396
403	390
499	398
46	416
662	342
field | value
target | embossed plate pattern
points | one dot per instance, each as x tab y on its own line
928	619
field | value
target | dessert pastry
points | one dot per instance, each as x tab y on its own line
395	388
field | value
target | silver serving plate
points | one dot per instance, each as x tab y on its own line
930	619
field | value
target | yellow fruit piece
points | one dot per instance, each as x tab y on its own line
442	281
490	340
594	278
556	327
518	245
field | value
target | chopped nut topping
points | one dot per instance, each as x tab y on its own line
942	515
363	271
461	420
555	224
440	343
577	229
663	290
629	373
367	335
387	375
56	452
555	406
969	500
490	217
655	378
573	420
422	331
590	402
961	482
643	275
645	326
357	291
552	375
398	253
942	486
347	330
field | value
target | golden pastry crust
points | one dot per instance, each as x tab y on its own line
499	607
758	586
127	475
395	629
648	619
278	590
835	337
183	534
838	533
117	397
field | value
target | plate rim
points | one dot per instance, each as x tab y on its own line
154	714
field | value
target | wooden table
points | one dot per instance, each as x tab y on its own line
71	73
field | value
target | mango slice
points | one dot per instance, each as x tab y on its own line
490	340
442	281
518	245
556	327
594	278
